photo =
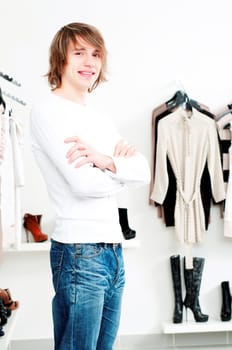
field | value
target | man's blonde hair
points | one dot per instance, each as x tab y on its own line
59	47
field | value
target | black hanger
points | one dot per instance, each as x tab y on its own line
179	99
10	79
2	102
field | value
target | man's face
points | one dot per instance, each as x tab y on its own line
83	65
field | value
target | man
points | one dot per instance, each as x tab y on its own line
85	164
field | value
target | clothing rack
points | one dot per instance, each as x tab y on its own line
14	128
10	79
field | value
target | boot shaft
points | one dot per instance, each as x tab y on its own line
128	233
177	288
123	218
193	278
176	273
226	301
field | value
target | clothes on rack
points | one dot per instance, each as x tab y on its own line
11	178
188	146
223	121
224	125
166	210
11	166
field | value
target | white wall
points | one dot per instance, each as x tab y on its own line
151	44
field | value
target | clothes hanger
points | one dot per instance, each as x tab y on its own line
179	99
2	102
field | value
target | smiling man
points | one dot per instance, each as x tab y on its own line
85	163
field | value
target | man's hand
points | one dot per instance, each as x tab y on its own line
87	154
123	149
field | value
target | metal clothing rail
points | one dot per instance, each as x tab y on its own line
10	79
14	98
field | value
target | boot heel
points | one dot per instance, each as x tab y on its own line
186	314
27	235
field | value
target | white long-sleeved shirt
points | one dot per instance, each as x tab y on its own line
84	198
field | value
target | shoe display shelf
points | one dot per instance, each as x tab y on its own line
45	246
197	327
8	329
175	329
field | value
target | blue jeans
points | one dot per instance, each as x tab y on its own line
88	280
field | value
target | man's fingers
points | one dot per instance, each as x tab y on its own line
131	150
72	139
74	148
118	148
123	149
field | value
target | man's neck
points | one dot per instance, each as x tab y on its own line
72	95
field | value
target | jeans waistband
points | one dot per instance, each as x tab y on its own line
101	244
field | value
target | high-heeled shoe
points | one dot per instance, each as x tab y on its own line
9	304
32	224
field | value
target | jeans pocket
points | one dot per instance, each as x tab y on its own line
56	259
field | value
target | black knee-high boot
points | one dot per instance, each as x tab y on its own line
128	233
192	278
176	279
226	301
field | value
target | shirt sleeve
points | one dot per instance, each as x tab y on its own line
132	171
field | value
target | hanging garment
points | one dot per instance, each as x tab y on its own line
224	124
228	204
189	143
224	132
11	179
223	121
166	210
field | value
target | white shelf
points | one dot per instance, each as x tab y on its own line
29	247
45	246
8	329
197	327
